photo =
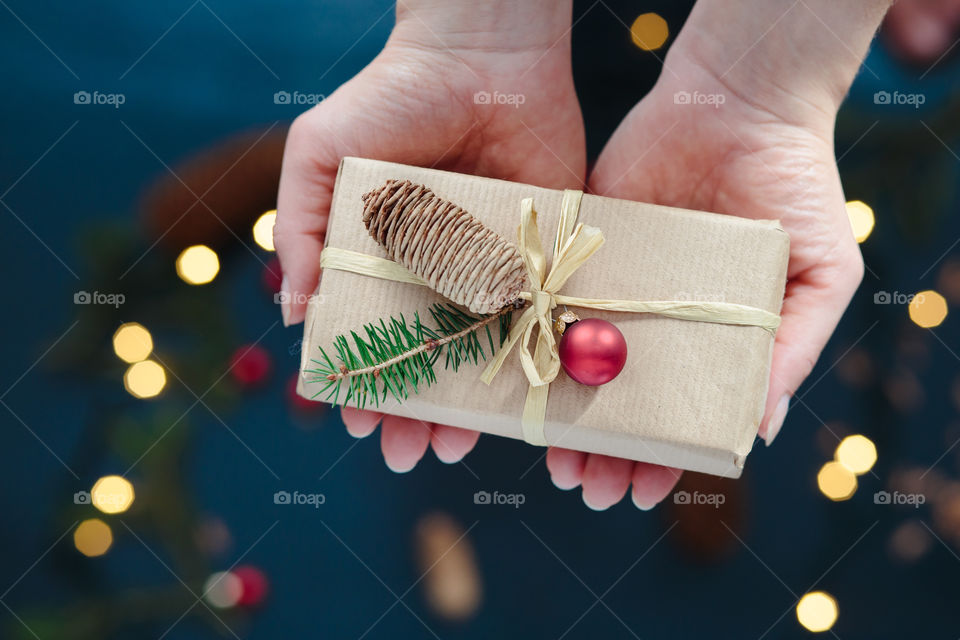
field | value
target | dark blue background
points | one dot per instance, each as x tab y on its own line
203	81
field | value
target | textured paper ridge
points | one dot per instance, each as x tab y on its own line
691	394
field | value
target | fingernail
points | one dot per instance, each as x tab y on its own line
562	486
638	505
776	420
594	507
285	301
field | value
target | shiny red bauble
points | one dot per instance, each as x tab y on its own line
593	351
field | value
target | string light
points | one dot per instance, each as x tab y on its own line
132	342
144	379
263	229
223	589
836	481
92	537
928	309
857	453
112	494
862	219
198	264
817	611
649	31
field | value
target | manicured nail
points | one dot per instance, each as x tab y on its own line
776	420
285	301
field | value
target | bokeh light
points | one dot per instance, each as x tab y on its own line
92	537
857	453
836	481
817	611
649	31
132	342
928	309
223	589
861	219
144	379
263	229
198	264
112	494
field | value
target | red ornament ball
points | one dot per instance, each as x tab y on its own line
250	366
254	585
593	351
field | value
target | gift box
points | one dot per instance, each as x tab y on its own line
692	391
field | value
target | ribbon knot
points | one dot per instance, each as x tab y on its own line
543	302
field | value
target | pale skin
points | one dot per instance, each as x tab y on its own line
766	152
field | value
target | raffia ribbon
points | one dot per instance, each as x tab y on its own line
574	244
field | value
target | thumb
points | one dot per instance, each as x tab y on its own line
303	205
814	304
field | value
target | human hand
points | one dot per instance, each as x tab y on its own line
766	158
415	104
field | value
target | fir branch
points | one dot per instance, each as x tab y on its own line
395	357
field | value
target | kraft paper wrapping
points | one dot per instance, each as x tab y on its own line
691	394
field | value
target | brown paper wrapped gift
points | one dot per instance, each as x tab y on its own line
691	394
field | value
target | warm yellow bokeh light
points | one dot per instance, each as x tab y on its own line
132	342
92	537
145	379
861	219
817	611
263	230
112	494
223	589
649	31
928	309
198	264
836	481
857	453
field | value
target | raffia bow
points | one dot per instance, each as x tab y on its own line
574	244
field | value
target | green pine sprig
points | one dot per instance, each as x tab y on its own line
395	357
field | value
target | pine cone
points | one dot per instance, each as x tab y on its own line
454	252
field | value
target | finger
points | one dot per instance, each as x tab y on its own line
451	444
403	442
811	310
566	467
360	423
303	205
651	484
605	481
